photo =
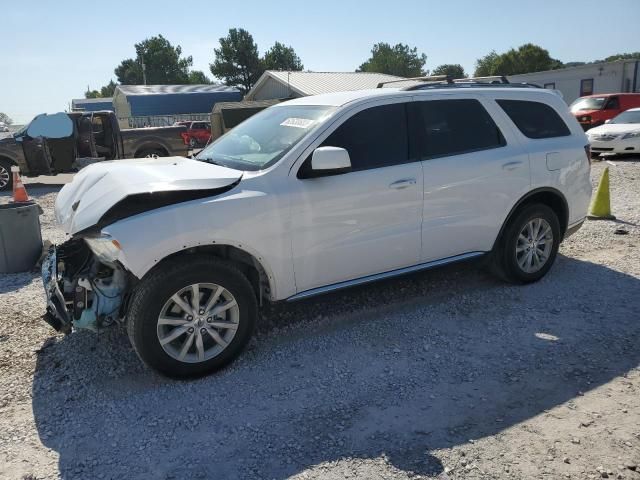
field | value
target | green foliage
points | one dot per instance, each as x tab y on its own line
197	77
525	59
620	56
400	60
237	61
163	62
453	70
105	92
6	119
281	57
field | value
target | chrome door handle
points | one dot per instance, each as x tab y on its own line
511	165
404	183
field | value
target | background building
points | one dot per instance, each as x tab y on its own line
160	105
91	104
611	77
278	85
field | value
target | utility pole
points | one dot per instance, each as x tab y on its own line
144	72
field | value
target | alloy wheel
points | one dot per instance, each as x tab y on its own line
198	322
5	177
534	245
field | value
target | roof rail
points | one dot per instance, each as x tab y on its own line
431	78
495	79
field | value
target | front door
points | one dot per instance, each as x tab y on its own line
364	222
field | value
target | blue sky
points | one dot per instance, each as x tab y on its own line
51	50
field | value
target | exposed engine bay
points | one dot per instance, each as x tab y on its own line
82	291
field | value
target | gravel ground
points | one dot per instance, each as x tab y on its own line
448	374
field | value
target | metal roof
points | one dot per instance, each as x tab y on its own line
171	89
92	104
315	83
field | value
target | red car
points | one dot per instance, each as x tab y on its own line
197	134
594	110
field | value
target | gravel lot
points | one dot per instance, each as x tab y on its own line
447	374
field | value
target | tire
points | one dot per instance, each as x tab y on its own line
6	177
512	250
149	302
193	142
150	153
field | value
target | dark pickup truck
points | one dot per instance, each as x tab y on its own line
66	142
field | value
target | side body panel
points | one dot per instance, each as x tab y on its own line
253	217
561	163
468	196
135	140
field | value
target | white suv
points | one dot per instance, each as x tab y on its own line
309	196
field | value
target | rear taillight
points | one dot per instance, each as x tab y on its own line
587	150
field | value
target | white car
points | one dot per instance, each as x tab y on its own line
620	135
309	196
3	127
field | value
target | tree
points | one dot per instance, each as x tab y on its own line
525	59
400	60
92	93
109	89
163	63
105	92
6	119
237	62
453	70
197	77
281	57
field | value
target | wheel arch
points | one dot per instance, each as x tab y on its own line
151	145
551	197
250	263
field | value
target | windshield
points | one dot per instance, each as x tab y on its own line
590	103
265	138
630	116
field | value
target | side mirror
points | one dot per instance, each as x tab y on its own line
57	125
330	160
607	121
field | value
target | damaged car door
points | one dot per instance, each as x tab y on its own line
42	138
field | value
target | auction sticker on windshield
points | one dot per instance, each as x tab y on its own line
298	122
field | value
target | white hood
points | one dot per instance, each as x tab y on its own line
614	129
96	188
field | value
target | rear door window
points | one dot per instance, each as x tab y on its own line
375	137
535	119
453	127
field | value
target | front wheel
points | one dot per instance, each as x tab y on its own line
6	177
529	245
191	316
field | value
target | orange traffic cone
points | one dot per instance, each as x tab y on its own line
19	192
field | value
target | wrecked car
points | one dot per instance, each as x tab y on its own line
309	196
67	142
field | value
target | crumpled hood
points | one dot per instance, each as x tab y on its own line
98	187
614	129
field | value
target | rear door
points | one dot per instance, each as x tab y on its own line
366	221
474	172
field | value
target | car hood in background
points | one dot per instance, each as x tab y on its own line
614	129
141	184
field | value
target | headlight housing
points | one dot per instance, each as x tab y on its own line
104	247
631	135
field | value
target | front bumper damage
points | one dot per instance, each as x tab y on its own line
56	314
82	292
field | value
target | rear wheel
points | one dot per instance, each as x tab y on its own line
6	178
192	317
529	245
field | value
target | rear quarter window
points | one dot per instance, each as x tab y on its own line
535	119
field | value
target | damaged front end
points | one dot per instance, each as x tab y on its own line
85	288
